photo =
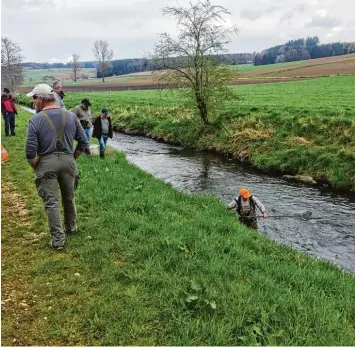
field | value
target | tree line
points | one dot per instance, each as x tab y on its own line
293	50
127	66
302	49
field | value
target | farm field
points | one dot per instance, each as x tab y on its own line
251	67
311	96
37	76
346	67
316	64
247	74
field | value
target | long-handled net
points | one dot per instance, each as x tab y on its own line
307	215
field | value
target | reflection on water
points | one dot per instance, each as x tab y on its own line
331	235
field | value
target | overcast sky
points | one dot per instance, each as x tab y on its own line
52	30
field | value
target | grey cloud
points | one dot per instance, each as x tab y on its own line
40	3
12	3
122	48
254	14
300	8
131	27
16	4
328	21
135	10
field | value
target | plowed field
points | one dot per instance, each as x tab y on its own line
344	65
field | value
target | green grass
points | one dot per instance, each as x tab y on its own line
300	128
252	67
158	267
33	77
293	68
289	66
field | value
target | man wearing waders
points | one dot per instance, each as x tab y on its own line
245	207
49	151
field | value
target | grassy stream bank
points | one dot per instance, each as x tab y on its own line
296	128
153	266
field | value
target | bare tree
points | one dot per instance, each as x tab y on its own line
11	64
187	62
103	54
75	64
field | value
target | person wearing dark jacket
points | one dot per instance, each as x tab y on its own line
59	94
8	110
103	130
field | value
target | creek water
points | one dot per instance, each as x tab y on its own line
328	235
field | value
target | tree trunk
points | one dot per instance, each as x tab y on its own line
202	107
102	71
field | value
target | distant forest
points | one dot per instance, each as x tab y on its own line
294	50
302	49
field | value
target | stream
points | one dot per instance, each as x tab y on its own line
328	235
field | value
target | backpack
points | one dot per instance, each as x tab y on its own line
239	205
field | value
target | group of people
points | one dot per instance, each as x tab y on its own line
102	124
49	150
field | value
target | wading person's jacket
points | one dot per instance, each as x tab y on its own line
246	208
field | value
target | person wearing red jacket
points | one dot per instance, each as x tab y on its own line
8	110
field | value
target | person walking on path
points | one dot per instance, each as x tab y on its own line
83	112
9	111
49	151
245	206
103	130
58	93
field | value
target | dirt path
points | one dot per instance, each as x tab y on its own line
20	322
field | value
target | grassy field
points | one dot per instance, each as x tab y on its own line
343	64
36	76
152	266
244	74
65	76
299	128
251	67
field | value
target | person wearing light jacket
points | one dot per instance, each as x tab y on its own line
245	206
83	112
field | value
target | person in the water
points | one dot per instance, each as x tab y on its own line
245	206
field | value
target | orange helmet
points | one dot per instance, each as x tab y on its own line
244	193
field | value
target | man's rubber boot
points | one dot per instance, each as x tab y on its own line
102	155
